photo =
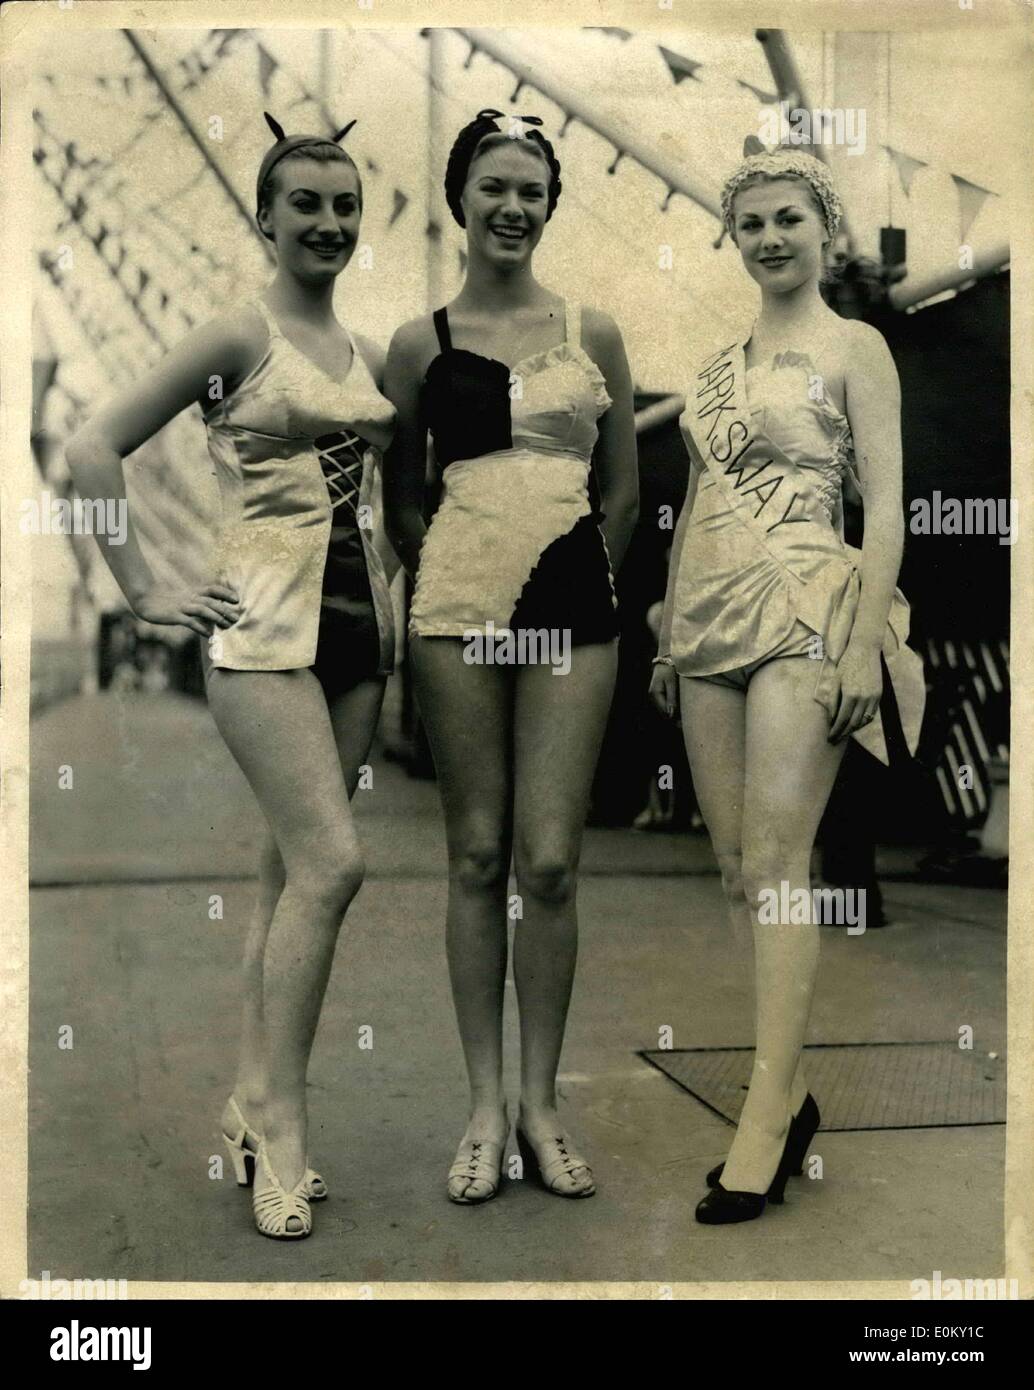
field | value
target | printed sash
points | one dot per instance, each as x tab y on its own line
778	503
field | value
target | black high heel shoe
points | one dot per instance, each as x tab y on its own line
803	1128
722	1208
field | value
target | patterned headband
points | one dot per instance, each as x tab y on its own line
787	163
289	144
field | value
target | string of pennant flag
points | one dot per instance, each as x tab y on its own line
103	340
971	196
186	73
269	65
87	188
79	180
59	164
190	70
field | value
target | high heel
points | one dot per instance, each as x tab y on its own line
275	1206
243	1160
562	1161
243	1145
723	1208
803	1128
478	1160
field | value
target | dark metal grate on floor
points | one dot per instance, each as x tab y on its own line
858	1085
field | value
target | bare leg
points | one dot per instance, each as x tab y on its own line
558	728
353	716
714	719
790	770
714	728
250	1087
467	712
278	728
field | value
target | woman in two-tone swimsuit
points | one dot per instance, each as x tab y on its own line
775	632
297	617
528	402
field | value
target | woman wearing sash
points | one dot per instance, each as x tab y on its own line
297	612
775	632
525	396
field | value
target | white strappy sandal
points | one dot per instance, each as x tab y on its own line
563	1162
243	1147
274	1207
477	1160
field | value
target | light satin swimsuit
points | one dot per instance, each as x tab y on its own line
755	577
277	511
814	435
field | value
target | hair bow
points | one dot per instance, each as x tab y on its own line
489	114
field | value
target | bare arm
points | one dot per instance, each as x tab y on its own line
616	457
373	355
664	641
216	353
406	460
874	412
663	684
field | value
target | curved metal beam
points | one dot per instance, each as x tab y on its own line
673	174
907	293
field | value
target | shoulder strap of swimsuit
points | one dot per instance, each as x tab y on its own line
573	316
271	323
441	327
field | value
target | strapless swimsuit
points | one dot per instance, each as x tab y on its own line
817	437
760	569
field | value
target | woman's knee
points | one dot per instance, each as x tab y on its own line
480	864
271	865
546	875
770	863
730	865
329	879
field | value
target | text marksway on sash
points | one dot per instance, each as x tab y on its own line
792	538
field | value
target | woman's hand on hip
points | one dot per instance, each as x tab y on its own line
203	608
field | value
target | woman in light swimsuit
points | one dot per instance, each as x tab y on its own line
528	402
297	616
775	632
